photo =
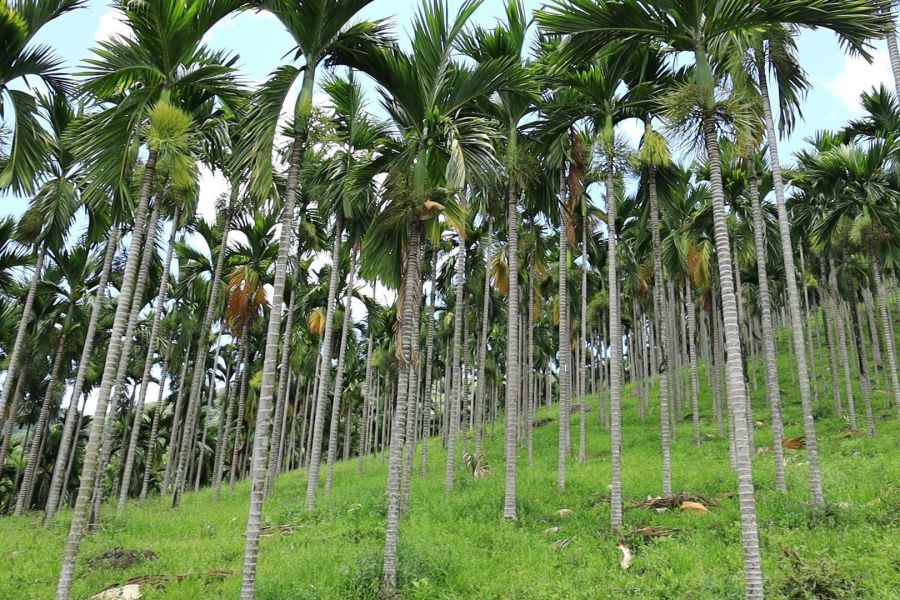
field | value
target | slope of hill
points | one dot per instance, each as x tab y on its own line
457	545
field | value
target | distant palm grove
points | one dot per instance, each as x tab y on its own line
444	236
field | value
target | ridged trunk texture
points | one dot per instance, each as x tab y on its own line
408	343
175	428
258	470
532	381
92	451
692	356
809	424
241	402
363	448
13	407
23	501
482	340
773	390
315	451
65	441
227	413
583	346
565	346
615	353
737	400
456	395
894	54
15	357
409	436
187	436
881	299
339	380
154	429
512	352
659	302
429	357
836	305
118	392
161	299
865	383
274	466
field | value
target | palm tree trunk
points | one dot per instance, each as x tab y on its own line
659	301
565	354
161	299
512	347
258	470
224	431
810	325
692	355
24	499
809	424
10	422
71	413
73	453
92	451
458	383
154	428
15	357
532	381
735	372
881	300
409	449
176	425
836	303
339	378
482	339
242	400
583	346
429	358
864	381
274	466
367	402
615	352
773	391
201	448
877	359
408	343
894	55
137	302
315	454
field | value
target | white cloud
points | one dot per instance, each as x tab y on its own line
112	24
857	76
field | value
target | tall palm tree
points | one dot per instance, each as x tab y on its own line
695	28
321	31
426	93
172	65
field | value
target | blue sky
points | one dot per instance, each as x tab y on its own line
261	44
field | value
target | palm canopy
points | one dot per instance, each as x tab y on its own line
707	27
20	60
161	65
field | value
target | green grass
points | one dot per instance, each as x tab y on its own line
457	546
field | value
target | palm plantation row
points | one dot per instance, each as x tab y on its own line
484	197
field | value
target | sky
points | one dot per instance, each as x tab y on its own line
261	45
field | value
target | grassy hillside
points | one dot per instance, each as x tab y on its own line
457	546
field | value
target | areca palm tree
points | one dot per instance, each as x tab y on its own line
22	61
167	64
428	95
321	31
697	28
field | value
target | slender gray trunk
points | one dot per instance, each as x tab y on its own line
482	338
154	428
315	451
339	380
565	354
458	383
809	425
864	381
773	390
161	299
242	399
92	451
429	358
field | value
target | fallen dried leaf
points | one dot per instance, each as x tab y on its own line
694	507
564	513
794	443
651	532
125	592
560	544
626	555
